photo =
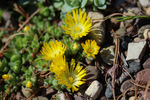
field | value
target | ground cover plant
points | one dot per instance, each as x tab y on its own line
57	49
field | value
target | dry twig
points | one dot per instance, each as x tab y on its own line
8	41
115	64
11	37
147	86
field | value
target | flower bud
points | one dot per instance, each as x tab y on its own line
6	76
29	84
26	29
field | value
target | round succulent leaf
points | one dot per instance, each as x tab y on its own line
99	2
58	5
102	7
72	3
83	3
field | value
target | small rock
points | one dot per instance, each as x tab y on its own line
94	90
40	98
130	93
137	39
26	92
132	98
133	68
50	91
123	98
146	64
126	85
124	42
141	31
98	28
6	15
143	76
136	51
79	98
117	73
92	74
108	91
123	77
145	3
61	96
148	11
103	98
64	96
121	32
147	95
107	54
146	34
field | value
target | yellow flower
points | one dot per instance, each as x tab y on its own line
29	84
6	76
26	29
77	25
72	77
58	65
52	50
90	48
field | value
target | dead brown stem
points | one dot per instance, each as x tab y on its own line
147	86
8	41
115	64
28	19
6	93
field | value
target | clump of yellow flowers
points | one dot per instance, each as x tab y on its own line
77	25
71	75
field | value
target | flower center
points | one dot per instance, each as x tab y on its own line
91	50
57	53
77	29
75	46
70	79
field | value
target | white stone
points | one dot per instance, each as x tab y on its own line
145	3
61	96
136	51
94	90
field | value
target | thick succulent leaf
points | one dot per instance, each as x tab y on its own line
102	7
67	8
72	3
99	2
83	3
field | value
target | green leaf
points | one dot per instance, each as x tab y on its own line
15	57
16	68
102	7
83	3
58	5
54	82
72	3
66	8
